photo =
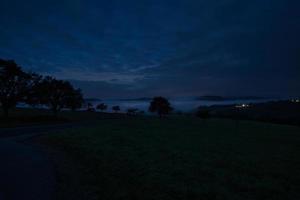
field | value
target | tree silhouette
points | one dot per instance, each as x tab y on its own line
160	105
102	107
90	107
33	89
13	85
116	108
203	113
58	94
33	97
74	99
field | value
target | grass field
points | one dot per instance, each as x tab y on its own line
178	158
29	117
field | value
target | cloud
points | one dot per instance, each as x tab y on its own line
81	74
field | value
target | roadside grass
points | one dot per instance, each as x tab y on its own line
178	158
32	116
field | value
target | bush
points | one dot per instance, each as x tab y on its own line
203	113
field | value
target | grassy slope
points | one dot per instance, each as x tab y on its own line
180	158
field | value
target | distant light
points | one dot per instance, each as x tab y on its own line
295	100
242	106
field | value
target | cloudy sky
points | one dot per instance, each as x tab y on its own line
137	48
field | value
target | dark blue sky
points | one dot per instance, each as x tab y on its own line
134	48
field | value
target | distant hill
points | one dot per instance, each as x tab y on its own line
285	112
221	98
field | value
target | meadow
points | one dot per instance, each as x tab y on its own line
21	117
177	158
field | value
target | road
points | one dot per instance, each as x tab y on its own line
26	173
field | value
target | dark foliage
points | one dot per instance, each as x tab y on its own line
160	105
203	113
90	107
14	85
102	107
17	86
74	100
116	108
58	94
33	97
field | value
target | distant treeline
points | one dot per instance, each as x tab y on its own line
33	89
159	105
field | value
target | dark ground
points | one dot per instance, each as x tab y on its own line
26	171
177	158
114	156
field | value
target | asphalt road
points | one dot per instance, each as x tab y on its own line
26	173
